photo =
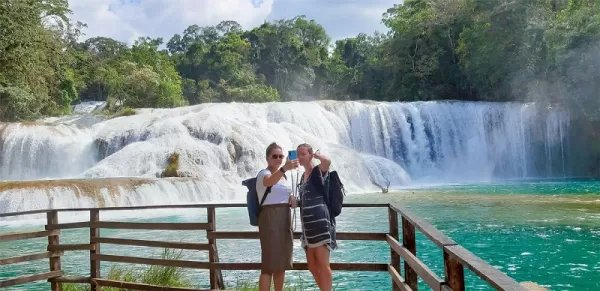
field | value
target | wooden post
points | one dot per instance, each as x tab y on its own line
216	277
410	243
94	249
454	272
395	258
53	241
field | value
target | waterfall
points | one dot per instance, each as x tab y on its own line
44	194
219	145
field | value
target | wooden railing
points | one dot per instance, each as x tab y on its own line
456	258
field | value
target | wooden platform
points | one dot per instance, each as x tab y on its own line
404	266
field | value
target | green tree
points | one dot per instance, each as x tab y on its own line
32	56
492	49
96	60
291	55
355	68
215	63
420	57
573	69
145	52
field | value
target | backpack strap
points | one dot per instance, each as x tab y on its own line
265	196
267	191
326	186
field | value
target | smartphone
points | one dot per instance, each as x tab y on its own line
292	155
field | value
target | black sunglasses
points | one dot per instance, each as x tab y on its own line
277	156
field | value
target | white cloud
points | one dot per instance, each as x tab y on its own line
126	20
341	18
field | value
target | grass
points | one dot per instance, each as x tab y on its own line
172	166
299	285
124	111
155	275
172	277
169	276
166	276
253	286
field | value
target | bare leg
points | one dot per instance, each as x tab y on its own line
278	279
325	279
264	282
311	262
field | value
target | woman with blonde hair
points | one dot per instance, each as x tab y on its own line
274	218
318	227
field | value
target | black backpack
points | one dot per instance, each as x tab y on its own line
334	191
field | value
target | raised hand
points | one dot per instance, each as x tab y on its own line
290	164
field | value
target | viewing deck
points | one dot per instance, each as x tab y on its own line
404	267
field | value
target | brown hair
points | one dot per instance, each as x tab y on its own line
307	146
271	147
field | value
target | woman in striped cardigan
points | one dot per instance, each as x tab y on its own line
318	228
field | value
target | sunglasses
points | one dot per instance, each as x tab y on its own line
277	157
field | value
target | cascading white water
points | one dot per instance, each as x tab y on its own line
371	143
42	194
31	151
89	107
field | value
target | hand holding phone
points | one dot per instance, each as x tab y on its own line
292	155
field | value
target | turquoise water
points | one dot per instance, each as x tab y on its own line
542	231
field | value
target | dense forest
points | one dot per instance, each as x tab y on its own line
542	50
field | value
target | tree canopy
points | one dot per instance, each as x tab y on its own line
541	50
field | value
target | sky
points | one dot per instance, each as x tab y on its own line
126	20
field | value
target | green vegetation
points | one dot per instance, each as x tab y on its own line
168	276
154	275
248	286
123	111
35	72
543	50
172	166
